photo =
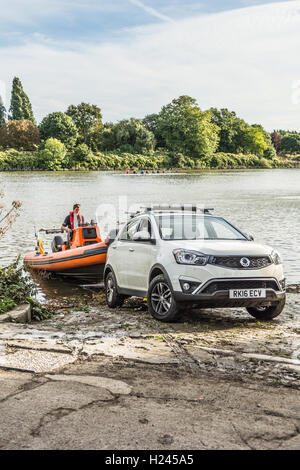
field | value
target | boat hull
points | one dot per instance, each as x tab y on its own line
83	263
92	273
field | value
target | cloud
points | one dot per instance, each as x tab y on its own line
151	11
26	12
243	59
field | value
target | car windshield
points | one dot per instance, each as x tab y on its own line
196	227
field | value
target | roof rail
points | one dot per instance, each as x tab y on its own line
175	207
134	214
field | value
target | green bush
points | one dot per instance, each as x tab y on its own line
270	153
53	155
232	160
14	160
38	311
264	163
15	287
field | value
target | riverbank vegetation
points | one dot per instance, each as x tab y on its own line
16	286
181	135
55	157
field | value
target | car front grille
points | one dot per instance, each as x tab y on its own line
234	262
226	285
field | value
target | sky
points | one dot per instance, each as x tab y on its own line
131	57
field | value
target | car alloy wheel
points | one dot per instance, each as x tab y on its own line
110	289
113	298
161	298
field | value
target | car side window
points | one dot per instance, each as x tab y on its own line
130	229
145	226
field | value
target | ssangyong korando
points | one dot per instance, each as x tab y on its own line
180	258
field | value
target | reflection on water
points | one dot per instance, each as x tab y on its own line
53	290
264	203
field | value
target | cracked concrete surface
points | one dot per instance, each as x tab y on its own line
93	378
117	404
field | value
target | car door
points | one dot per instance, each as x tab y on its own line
140	259
121	249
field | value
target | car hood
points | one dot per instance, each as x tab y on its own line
222	247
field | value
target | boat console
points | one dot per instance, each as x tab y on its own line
84	235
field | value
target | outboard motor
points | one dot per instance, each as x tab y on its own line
56	244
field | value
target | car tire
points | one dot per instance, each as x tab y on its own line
160	300
267	313
113	298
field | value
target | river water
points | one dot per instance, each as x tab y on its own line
263	203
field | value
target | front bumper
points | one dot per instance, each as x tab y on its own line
215	293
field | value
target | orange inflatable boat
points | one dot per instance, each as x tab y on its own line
82	257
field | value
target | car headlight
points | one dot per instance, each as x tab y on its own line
276	257
190	257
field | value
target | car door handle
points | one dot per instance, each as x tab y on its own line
131	249
114	247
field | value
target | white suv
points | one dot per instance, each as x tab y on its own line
180	258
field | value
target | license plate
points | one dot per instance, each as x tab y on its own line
247	293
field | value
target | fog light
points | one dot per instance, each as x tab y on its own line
188	287
282	283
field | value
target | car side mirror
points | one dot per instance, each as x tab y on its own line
250	237
141	236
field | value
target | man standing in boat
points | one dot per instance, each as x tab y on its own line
73	220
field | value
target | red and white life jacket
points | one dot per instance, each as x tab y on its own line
72	219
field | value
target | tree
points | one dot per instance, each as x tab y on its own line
276	139
86	117
230	128
266	134
127	136
104	138
82	153
187	129
131	135
151	123
53	154
20	106
237	136
2	112
290	143
20	135
254	140
61	127
285	132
